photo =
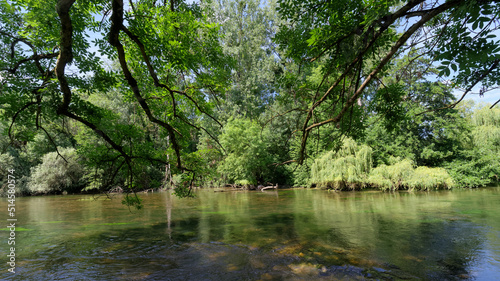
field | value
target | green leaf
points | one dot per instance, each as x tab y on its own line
474	25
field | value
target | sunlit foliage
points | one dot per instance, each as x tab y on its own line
58	172
346	168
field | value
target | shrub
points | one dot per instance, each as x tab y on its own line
425	178
55	175
478	165
247	157
391	176
475	168
6	163
402	175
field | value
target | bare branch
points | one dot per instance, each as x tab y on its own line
494	104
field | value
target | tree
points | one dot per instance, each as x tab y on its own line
140	138
402	121
247	161
477	163
355	41
58	172
160	90
248	28
169	73
346	168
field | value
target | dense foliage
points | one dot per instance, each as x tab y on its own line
107	95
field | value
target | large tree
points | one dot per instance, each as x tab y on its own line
353	43
248	28
167	60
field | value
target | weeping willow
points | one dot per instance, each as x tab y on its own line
425	178
486	117
486	132
351	168
346	168
403	175
391	176
487	135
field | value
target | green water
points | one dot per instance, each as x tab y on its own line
287	235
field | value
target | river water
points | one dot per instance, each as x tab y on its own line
297	234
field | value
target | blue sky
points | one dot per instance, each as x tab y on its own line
490	97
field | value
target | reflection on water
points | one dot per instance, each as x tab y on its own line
287	235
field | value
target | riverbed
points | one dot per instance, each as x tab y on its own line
294	234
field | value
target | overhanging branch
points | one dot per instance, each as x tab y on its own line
401	41
114	40
65	56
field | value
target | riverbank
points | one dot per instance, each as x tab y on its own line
342	187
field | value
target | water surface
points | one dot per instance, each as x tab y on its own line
236	235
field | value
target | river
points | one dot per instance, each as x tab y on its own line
296	234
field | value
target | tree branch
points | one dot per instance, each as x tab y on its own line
154	76
386	21
388	57
116	26
65	56
480	78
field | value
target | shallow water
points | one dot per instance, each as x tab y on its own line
236	235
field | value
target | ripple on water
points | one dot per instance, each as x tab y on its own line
305	235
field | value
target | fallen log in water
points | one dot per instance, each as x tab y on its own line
269	187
